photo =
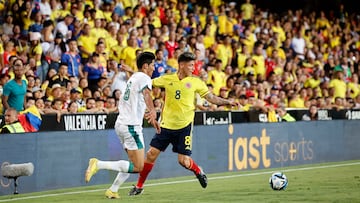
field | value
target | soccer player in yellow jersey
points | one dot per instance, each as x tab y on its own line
177	117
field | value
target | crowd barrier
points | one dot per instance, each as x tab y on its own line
60	158
76	122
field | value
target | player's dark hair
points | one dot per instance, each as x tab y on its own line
144	58
186	57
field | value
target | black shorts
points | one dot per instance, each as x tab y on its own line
180	140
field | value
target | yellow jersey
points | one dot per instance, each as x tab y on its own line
115	52
110	43
241	61
173	63
129	56
282	35
339	88
96	33
179	109
230	22
1	48
215	5
260	64
26	20
312	83
354	89
202	20
88	43
222	24
224	53
156	22
208	41
248	10
37	50
297	103
217	79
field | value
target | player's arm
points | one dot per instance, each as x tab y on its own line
218	100
159	82
4	100
150	115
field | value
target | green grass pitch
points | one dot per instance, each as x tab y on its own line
327	182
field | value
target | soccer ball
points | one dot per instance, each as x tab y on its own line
278	181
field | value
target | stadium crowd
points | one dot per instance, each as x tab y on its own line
76	55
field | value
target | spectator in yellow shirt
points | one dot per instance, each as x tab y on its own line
222	20
86	43
338	84
209	40
98	31
296	101
247	9
224	51
128	55
259	60
217	77
353	86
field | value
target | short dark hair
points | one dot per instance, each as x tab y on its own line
157	51
95	54
218	61
63	64
144	58
12	56
90	98
71	40
186	57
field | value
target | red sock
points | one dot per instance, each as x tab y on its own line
194	167
143	174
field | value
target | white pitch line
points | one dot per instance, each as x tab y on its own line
184	181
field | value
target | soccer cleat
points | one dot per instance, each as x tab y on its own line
136	191
91	170
202	178
112	195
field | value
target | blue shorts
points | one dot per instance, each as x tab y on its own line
180	140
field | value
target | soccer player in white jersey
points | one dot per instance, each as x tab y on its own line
133	104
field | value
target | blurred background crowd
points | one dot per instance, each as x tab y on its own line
74	56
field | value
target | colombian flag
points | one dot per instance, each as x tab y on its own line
30	119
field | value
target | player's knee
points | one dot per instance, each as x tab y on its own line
138	168
151	156
184	162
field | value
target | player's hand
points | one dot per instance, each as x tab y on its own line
150	116
156	125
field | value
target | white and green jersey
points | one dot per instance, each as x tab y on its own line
132	104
